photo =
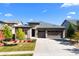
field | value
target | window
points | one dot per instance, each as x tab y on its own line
33	32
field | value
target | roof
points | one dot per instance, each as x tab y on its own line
73	21
33	22
22	26
48	25
8	21
41	25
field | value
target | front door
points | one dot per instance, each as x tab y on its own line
41	34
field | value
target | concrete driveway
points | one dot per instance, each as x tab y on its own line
48	47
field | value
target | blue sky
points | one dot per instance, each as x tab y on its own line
54	13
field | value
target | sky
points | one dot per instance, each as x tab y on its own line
54	13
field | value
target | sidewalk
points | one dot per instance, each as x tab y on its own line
17	52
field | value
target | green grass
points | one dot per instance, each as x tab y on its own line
20	47
18	55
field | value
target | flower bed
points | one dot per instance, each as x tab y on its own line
19	47
15	42
1	44
21	41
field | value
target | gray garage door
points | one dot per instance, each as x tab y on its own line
54	34
41	34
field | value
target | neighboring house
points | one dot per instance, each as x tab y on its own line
70	21
10	23
38	29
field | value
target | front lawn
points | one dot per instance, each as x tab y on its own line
27	46
18	55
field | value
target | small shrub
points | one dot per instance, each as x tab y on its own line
76	36
20	34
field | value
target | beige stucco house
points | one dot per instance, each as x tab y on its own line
37	29
45	30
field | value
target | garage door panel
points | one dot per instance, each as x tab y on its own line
54	34
41	34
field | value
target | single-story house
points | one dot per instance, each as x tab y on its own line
45	30
38	29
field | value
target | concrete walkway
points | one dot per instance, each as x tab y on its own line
17	52
48	47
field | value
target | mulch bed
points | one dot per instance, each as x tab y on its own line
17	41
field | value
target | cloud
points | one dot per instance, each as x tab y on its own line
0	13
73	13
69	4
8	14
45	10
68	17
31	19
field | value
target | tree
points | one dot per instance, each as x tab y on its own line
76	36
7	32
77	26
70	31
20	34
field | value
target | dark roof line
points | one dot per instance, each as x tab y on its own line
8	21
74	21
